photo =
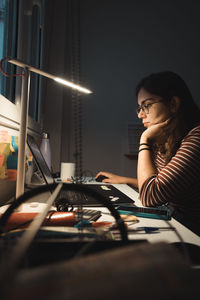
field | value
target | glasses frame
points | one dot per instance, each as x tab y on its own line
146	108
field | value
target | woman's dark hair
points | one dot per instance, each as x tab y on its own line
167	85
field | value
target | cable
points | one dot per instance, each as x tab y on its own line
17	202
9	267
77	187
76	100
4	73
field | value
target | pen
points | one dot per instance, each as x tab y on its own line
63	180
148	229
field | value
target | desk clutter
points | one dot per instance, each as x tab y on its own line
74	224
53	218
77	230
75	243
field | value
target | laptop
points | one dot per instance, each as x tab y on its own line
108	191
40	161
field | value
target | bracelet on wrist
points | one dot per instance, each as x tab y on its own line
145	144
145	149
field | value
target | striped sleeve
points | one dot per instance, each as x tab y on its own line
173	180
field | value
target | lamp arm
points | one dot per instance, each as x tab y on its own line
70	84
21	64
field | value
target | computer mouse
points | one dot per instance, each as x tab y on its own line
100	178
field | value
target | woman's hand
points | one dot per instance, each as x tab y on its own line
157	133
112	178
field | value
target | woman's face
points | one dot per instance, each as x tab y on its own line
155	109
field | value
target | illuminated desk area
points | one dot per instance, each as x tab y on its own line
166	234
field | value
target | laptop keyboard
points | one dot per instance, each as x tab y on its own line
114	196
77	198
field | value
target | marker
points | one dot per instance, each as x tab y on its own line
86	223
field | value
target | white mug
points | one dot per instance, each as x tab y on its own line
67	170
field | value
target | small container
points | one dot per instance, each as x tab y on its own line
46	149
67	171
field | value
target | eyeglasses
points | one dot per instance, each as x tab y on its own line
145	107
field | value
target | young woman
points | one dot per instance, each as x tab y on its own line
169	151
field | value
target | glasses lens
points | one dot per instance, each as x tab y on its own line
138	110
146	109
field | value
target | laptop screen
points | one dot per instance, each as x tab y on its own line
40	161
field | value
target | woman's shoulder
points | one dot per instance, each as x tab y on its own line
193	135
194	131
190	144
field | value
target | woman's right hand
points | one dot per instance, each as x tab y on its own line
112	178
157	132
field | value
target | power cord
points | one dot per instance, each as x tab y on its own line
76	187
4	73
9	267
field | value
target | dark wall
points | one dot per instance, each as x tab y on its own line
122	41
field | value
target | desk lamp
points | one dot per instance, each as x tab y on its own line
25	90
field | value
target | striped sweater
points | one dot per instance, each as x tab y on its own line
177	182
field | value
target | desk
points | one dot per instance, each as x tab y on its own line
170	236
114	269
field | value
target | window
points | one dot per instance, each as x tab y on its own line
30	48
20	37
8	42
34	59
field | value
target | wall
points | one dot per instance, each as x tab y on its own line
121	42
59	45
54	62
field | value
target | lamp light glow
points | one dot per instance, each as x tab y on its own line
48	75
72	85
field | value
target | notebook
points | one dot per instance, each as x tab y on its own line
108	191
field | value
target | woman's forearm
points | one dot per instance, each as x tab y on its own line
132	181
146	166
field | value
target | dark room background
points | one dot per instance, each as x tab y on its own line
120	41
